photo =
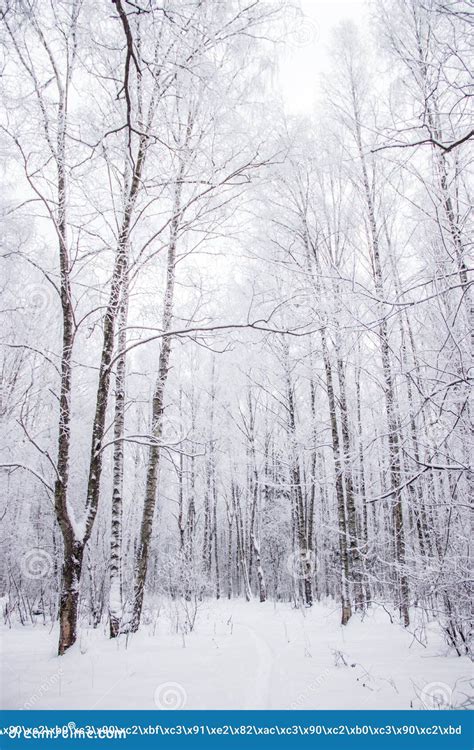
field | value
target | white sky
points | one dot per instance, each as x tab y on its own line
305	56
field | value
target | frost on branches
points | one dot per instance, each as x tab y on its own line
236	340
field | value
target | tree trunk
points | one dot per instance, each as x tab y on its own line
353	537
305	561
362	491
115	593
346	609
156	429
69	602
242	560
216	544
262	589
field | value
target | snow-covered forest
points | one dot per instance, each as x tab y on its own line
235	338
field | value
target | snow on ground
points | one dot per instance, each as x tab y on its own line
239	655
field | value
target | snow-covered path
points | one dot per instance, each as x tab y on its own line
238	656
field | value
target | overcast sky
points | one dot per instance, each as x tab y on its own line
305	56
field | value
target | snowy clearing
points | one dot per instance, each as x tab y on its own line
239	656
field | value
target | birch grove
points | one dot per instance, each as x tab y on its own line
236	343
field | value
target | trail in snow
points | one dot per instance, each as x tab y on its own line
240	655
260	689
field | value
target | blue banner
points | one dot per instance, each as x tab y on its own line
259	729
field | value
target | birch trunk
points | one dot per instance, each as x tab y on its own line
158	406
355	570
303	548
346	609
115	593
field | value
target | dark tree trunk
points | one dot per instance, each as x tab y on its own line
69	602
